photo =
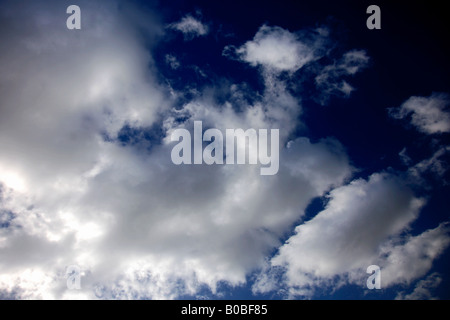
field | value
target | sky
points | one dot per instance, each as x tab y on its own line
87	118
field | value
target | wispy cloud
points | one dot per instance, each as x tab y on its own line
423	289
429	115
191	27
408	261
172	61
331	79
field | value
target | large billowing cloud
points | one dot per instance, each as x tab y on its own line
62	93
350	229
360	226
136	224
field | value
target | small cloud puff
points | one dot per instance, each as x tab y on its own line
190	27
429	115
274	48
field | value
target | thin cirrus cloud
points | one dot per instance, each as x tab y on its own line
73	193
331	79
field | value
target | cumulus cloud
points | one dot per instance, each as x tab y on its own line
190	27
347	233
137	225
412	259
62	92
74	192
277	49
355	230
429	115
423	289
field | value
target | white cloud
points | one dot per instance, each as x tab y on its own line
435	165
422	289
136	224
353	61
346	235
276	49
413	259
428	114
190	27
355	230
